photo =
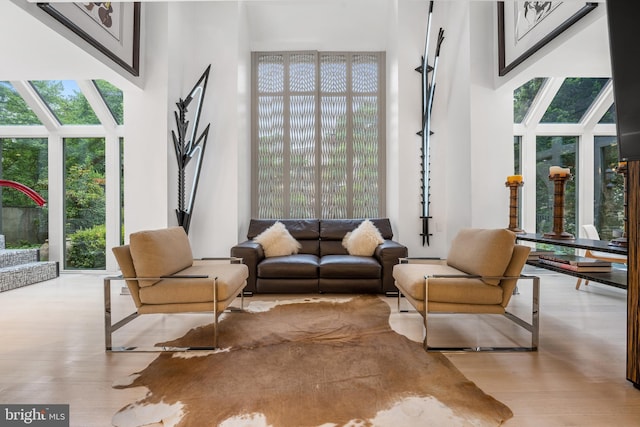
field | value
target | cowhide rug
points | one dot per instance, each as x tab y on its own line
317	363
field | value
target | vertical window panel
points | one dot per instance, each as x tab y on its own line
23	223
317	145
556	151
85	203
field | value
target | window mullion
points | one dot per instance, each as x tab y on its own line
286	149
350	137
318	139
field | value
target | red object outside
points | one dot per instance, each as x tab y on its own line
26	190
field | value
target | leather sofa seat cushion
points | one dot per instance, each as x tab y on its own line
349	267
297	266
484	252
449	290
158	253
175	291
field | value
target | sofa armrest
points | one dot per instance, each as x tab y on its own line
388	254
251	254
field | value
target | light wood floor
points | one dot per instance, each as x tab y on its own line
52	344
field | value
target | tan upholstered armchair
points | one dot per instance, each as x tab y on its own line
479	277
163	277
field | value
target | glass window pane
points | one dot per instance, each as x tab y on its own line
517	149
302	72
85	232
523	98
333	73
113	97
610	115
556	151
365	73
13	109
24	223
573	99
65	99
608	188
271	74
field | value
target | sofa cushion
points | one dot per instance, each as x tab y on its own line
363	240
276	241
297	266
300	229
158	253
485	252
335	229
349	267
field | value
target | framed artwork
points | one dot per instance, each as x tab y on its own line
526	26
111	27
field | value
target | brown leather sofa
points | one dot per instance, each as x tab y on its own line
322	265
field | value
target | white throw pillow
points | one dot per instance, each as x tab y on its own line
276	241
364	240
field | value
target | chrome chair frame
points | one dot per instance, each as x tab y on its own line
533	327
110	327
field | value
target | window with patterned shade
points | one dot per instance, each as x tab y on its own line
318	135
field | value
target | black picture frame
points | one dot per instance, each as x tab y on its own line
124	51
564	16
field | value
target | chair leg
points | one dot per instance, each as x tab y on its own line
425	315
215	313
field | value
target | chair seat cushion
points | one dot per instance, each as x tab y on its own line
349	267
410	279
231	279
299	266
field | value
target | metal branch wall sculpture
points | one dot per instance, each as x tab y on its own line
189	147
428	90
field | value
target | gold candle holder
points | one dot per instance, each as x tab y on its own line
622	241
559	182
514	182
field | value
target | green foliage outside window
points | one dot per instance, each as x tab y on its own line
69	108
13	109
523	98
573	99
87	248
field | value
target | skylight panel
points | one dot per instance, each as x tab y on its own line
523	98
113	97
65	99
13	109
573	100
610	116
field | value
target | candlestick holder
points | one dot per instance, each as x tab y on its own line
622	240
559	182
513	205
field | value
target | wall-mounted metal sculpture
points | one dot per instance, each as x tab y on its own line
428	90
189	147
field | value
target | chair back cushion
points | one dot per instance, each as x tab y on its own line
485	252
125	262
158	253
518	260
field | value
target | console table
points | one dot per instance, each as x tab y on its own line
616	277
